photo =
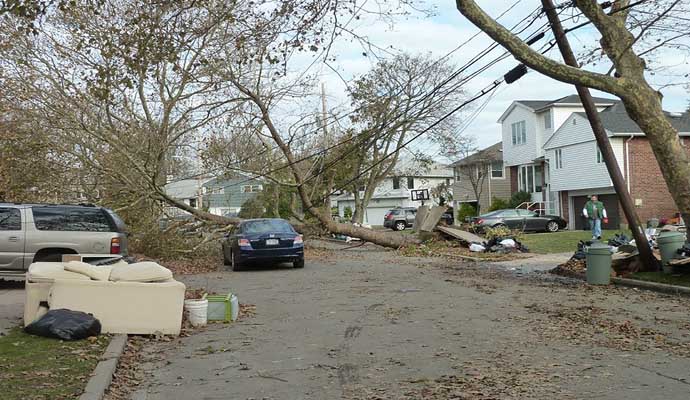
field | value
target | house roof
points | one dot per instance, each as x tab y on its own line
185	188
616	120
538	105
491	153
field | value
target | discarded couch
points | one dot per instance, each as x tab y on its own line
138	298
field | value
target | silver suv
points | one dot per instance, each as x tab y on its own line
400	218
44	232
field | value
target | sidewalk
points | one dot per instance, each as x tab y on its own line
539	262
11	304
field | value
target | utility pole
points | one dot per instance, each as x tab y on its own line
602	139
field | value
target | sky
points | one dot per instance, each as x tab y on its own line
444	31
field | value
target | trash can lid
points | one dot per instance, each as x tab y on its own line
599	248
670	236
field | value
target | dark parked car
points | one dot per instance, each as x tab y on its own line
400	218
525	220
267	239
448	218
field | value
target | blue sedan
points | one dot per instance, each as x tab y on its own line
267	240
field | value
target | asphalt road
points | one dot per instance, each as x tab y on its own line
369	324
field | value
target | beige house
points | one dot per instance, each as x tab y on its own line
481	177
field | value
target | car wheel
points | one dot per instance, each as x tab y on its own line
552	226
400	226
499	226
236	266
298	264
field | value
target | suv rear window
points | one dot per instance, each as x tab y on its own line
10	219
71	219
394	212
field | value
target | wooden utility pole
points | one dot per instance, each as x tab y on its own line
602	139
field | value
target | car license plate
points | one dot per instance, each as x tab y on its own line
272	242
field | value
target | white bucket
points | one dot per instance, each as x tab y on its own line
197	312
234	307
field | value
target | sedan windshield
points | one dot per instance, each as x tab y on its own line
266	226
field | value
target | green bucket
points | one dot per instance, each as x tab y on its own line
219	307
598	264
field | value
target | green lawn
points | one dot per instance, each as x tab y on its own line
660	277
33	367
561	242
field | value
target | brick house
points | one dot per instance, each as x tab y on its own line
576	168
485	170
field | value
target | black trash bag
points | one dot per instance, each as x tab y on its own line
66	325
684	251
619	240
581	254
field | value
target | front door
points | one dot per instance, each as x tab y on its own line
11	239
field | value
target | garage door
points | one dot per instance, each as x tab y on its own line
612	211
374	215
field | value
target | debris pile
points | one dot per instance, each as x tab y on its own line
500	245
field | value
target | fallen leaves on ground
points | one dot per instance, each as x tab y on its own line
246	311
592	325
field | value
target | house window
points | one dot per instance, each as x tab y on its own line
519	132
600	158
447	181
497	169
547	119
530	178
192	203
396	183
558	162
410	182
251	188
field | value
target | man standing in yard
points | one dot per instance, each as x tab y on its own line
594	211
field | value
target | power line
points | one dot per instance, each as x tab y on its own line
248	158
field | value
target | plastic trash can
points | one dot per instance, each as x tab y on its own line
669	243
598	264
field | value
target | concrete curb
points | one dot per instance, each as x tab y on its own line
103	374
638	284
654	286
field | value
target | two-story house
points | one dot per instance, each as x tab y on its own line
525	126
577	169
395	191
225	196
481	177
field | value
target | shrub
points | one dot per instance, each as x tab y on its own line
347	213
518	198
502	232
466	210
498	204
252	208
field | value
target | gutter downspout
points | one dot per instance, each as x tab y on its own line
627	161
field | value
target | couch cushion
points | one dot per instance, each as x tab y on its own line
146	271
98	273
50	271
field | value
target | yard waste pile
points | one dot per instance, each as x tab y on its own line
65	325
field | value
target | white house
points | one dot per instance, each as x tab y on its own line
395	191
526	126
187	191
577	168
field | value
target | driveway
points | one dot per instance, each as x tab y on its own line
366	323
11	304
